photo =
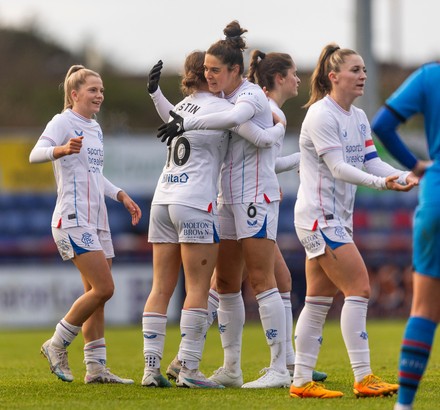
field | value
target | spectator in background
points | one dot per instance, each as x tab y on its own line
391	294
335	146
73	141
420	93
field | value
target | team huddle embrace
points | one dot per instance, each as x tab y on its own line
214	213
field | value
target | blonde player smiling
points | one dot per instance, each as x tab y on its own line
73	141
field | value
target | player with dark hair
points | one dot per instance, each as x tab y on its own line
183	224
248	211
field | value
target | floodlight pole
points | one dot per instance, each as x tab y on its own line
364	41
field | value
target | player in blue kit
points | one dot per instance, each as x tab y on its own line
419	94
73	141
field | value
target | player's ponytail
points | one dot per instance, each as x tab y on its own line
331	59
194	73
75	77
256	58
264	67
230	50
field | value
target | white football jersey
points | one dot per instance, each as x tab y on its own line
191	172
81	185
248	173
278	146
322	199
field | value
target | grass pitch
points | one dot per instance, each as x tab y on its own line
26	381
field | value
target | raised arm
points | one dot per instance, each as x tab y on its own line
162	105
45	151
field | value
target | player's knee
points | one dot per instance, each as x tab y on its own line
105	292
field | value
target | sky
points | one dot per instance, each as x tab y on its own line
134	34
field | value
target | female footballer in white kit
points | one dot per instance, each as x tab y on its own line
248	212
337	154
277	74
73	141
183	228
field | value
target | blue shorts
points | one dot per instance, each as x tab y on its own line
426	240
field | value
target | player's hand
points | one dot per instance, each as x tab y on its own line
265	91
392	184
131	207
73	146
154	77
277	119
168	131
412	178
420	167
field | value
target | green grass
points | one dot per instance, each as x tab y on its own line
26	382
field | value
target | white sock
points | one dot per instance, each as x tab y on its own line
231	318
290	351
273	319
193	328
154	330
399	406
212	306
308	337
64	334
95	355
354	332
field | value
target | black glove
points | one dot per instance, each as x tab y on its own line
154	77
169	130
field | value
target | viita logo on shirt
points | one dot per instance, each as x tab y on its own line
175	179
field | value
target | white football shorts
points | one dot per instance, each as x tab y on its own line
182	224
79	240
252	220
314	242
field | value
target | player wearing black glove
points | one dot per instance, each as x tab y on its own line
168	131
154	77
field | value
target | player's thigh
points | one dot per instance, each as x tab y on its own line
345	267
426	240
95	271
